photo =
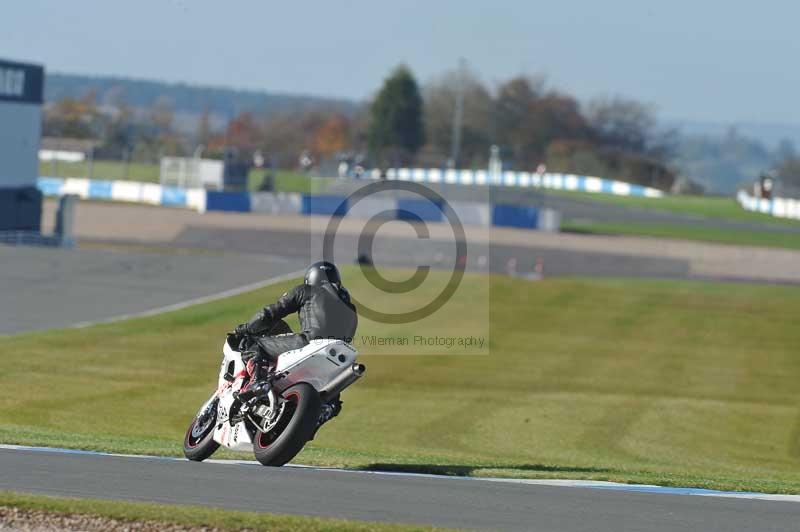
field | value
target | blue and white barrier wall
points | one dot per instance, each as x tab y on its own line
780	207
553	181
470	213
132	191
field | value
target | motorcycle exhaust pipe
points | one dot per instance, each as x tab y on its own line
342	381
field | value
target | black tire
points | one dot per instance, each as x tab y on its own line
294	429
199	444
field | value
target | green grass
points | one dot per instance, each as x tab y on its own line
285	180
697	232
668	382
289	181
192	516
708	206
104	170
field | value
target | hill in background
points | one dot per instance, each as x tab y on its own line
188	102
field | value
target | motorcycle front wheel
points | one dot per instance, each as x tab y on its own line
199	444
295	427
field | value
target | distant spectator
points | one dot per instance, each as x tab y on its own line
343	169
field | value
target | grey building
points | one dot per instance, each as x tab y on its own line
21	92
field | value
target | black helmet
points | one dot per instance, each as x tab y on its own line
322	271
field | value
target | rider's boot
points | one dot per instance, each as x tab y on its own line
329	411
258	384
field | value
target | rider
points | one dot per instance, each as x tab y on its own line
325	312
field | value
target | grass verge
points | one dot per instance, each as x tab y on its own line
285	180
688	232
192	516
665	382
707	206
104	170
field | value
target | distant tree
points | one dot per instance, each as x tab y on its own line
440	102
581	157
163	138
527	120
396	130
74	117
161	117
622	123
514	98
244	134
789	173
332	136
786	150
286	136
553	117
120	130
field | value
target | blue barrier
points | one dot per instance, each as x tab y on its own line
324	205
515	216
174	196
50	186
419	209
100	189
227	201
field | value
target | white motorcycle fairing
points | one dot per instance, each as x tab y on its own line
321	363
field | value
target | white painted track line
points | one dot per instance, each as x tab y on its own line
195	301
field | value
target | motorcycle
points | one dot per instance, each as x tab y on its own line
275	425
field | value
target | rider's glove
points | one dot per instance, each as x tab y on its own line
242	330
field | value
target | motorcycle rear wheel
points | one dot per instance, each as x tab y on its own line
295	428
199	444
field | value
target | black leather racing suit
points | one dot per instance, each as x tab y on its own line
325	311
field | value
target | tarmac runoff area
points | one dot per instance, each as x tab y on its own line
144	259
397	243
47	288
488	504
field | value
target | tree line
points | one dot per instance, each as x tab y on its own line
405	124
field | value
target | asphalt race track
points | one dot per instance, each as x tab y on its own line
47	288
450	502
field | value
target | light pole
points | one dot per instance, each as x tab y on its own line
458	114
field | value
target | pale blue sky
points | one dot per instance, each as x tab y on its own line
712	60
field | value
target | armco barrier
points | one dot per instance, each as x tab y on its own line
515	216
780	207
419	209
100	189
554	181
372	207
124	191
275	202
127	191
326	205
173	196
549	220
469	213
227	201
472	213
50	186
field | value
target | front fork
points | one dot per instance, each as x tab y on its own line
207	406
